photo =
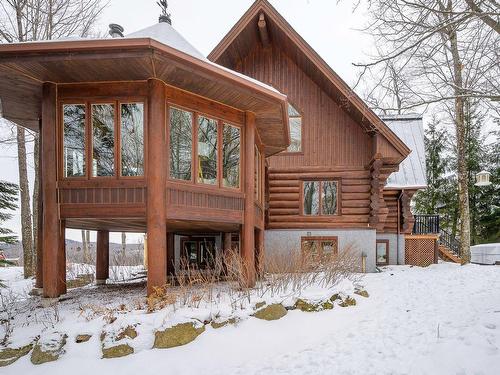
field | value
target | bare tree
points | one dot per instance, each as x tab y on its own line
436	53
29	20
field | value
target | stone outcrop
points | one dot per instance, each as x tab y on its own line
180	334
117	351
10	355
305	306
272	312
48	351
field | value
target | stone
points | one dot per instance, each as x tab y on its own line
272	312
82	338
10	355
348	301
312	307
335	297
362	293
180	334
129	332
81	280
220	324
117	351
48	352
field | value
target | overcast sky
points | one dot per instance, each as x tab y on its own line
331	29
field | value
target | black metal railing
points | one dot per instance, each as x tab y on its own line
426	224
448	240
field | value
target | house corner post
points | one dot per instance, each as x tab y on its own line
102	257
248	248
39	243
52	234
156	176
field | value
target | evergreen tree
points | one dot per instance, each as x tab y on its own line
8	199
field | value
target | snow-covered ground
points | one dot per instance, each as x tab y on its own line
444	319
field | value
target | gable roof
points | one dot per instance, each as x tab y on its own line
412	170
240	38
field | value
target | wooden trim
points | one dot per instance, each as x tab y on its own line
387	250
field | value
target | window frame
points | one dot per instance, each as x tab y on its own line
301	152
321	180
219	185
117	101
320	239
387	248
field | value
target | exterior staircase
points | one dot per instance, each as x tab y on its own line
448	245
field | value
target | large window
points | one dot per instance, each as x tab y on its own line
132	139
74	140
181	138
207	150
103	140
231	140
295	123
320	198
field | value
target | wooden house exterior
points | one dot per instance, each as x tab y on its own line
260	145
330	186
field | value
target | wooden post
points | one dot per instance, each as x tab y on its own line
39	242
227	240
61	255
156	211
51	228
102	257
259	246
170	254
145	252
248	248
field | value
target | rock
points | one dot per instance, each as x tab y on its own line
217	325
81	280
272	312
313	307
258	305
129	332
10	355
348	301
335	297
117	351
362	293
49	351
180	334
82	338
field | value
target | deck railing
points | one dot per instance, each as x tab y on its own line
426	224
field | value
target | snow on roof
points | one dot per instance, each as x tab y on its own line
164	33
412	173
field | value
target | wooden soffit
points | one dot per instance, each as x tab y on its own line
247	32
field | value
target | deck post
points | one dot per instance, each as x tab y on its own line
102	257
248	248
51	226
259	249
156	175
39	239
61	262
226	245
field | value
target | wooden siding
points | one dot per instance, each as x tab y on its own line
329	135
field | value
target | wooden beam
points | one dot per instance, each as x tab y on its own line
102	257
39	240
51	226
248	248
156	175
263	32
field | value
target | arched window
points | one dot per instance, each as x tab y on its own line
295	123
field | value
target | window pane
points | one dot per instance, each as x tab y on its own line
328	248
103	139
181	140
132	139
329	198
74	140
207	150
231	156
295	123
311	198
381	252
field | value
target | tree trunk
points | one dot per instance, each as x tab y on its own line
460	128
26	229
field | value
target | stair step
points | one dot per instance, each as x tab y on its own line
447	254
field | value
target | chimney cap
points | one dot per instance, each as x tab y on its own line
116	30
165	18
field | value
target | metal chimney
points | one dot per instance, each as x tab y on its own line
115	30
165	18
